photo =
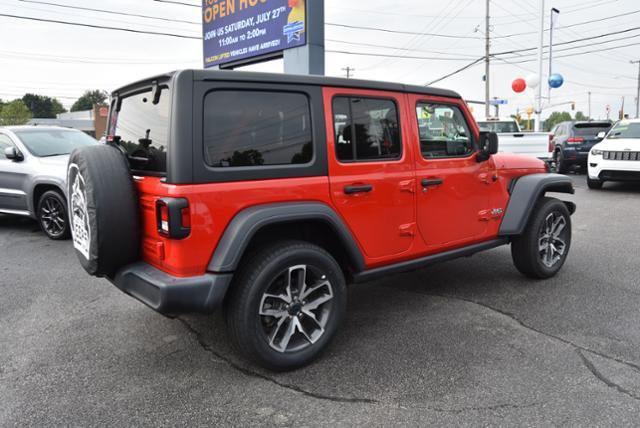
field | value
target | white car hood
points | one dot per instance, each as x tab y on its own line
620	145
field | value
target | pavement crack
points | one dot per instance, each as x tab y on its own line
251	373
602	378
633	366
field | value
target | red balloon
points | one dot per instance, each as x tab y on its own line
519	85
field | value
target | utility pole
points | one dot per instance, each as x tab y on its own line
538	111
349	70
589	105
638	93
487	44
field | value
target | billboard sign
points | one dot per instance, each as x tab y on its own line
235	30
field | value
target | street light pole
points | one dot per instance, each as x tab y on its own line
487	105
540	47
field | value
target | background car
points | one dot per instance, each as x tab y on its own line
617	157
514	140
572	142
33	171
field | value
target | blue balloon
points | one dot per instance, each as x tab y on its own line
556	80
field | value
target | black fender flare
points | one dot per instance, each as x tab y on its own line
249	221
525	191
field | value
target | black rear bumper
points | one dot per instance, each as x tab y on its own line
172	295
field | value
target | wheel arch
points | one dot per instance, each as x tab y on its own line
39	189
525	192
255	225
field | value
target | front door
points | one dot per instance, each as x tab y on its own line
453	188
13	198
371	169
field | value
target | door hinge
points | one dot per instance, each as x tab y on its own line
488	177
407	229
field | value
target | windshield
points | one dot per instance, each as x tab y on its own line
53	142
499	127
142	129
625	130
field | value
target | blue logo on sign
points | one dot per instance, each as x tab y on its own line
293	31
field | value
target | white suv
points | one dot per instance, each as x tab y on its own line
617	157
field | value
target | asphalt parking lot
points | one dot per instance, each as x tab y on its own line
469	342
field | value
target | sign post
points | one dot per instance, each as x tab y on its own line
243	32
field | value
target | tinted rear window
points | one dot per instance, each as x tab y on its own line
500	127
590	129
256	128
143	130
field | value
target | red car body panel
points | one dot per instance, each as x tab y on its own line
397	221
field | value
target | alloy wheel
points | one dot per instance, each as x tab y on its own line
552	239
52	217
295	308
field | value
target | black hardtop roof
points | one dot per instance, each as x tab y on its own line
295	79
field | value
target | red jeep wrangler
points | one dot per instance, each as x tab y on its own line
266	194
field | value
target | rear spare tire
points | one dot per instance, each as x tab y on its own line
103	209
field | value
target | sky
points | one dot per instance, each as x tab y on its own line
63	61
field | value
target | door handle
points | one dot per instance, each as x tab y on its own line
427	182
357	188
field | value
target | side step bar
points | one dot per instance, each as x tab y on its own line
415	264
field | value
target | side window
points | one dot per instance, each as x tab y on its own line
254	128
5	142
443	131
366	129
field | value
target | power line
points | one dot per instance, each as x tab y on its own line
433	58
178	3
387	30
373	45
461	69
102	27
112	12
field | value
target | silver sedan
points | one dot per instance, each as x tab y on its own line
33	171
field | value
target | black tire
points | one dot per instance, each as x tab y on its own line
264	270
52	215
594	184
525	252
103	209
561	166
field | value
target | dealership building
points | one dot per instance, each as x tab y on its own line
92	122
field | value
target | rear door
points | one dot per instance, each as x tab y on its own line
371	168
13	198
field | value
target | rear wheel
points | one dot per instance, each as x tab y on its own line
52	215
594	183
542	249
561	165
286	304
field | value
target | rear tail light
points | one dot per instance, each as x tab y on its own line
551	145
173	217
575	140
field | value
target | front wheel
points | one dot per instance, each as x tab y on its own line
52	215
286	304
594	184
542	249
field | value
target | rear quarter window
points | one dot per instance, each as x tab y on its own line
245	128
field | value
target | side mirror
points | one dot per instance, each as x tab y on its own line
601	134
488	145
13	154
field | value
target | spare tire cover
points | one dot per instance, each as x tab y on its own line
103	209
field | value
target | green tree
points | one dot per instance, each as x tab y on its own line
43	107
581	116
14	113
555	118
89	99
